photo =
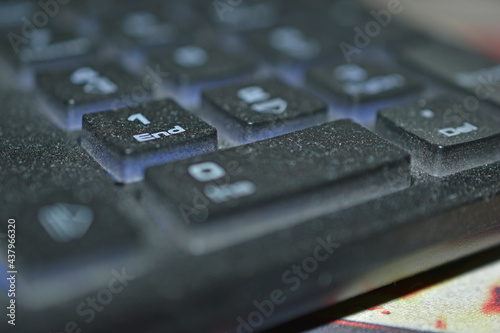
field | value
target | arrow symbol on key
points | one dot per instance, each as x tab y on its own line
140	117
273	106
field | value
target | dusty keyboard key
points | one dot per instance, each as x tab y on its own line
46	48
127	141
261	109
72	93
463	69
143	24
275	182
249	16
443	137
294	43
192	63
362	82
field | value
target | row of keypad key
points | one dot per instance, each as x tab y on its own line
127	141
94	88
262	109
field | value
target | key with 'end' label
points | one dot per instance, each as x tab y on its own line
127	141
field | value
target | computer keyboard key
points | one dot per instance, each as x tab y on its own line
146	25
67	230
244	16
192	63
466	70
343	14
70	94
362	81
127	141
444	136
254	188
46	47
261	109
294	43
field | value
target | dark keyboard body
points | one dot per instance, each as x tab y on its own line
193	166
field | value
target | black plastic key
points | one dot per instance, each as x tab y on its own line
195	63
146	25
443	137
262	109
294	43
362	82
244	16
127	141
275	181
463	69
86	89
46	47
343	14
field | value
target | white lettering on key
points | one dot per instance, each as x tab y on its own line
190	56
176	130
226	192
273	106
294	43
350	72
427	113
375	85
159	134
143	137
140	117
148	137
450	131
253	94
93	83
65	222
260	97
206	171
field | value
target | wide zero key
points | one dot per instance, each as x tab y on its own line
444	136
248	190
127	141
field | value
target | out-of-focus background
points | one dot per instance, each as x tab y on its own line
474	23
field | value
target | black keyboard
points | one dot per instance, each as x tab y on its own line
226	166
